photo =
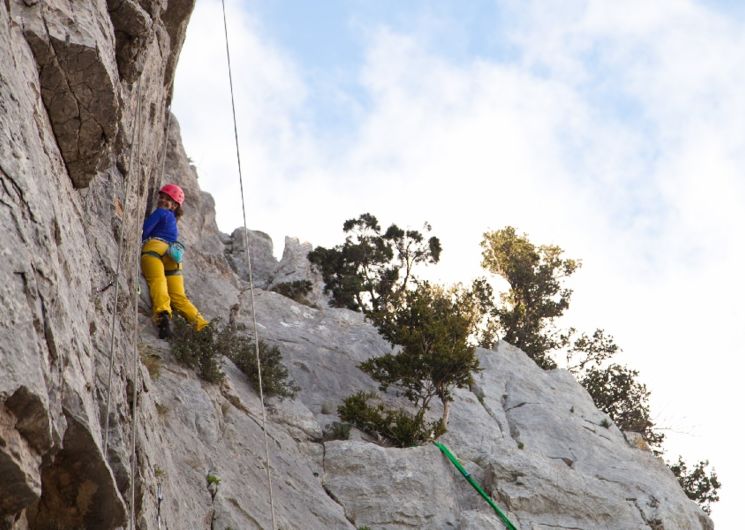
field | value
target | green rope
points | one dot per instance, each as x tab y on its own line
507	523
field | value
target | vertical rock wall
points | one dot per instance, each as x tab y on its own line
73	78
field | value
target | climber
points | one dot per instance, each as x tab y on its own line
161	262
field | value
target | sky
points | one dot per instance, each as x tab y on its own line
615	130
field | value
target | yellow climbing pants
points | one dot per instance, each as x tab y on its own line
165	280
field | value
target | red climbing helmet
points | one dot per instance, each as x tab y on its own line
174	192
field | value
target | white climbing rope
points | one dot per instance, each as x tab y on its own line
114	312
250	274
136	133
135	384
159	493
135	355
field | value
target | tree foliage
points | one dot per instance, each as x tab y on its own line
587	350
297	290
275	379
615	389
536	296
203	350
535	299
372	266
365	411
435	329
699	484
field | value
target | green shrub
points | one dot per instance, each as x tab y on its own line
698	483
274	376
616	390
297	290
202	351
397	425
198	350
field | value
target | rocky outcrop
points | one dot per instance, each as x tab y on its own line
295	267
78	79
261	251
267	272
84	133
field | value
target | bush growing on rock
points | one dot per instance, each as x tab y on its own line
396	425
698	483
336	431
617	392
434	328
203	351
198	350
297	290
274	376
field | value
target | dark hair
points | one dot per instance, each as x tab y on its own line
178	212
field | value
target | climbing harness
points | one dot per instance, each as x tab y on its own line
250	273
450	456
135	131
175	251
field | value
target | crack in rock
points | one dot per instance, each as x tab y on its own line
6	179
329	492
654	524
78	92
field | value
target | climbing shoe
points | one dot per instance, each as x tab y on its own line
164	326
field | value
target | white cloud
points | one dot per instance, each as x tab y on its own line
269	96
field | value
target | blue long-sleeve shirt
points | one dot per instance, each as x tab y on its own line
161	224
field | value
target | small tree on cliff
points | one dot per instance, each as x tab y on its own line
372	266
699	484
615	389
535	299
435	328
536	296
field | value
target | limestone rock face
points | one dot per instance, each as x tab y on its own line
78	78
100	425
73	169
416	483
270	274
295	266
261	250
